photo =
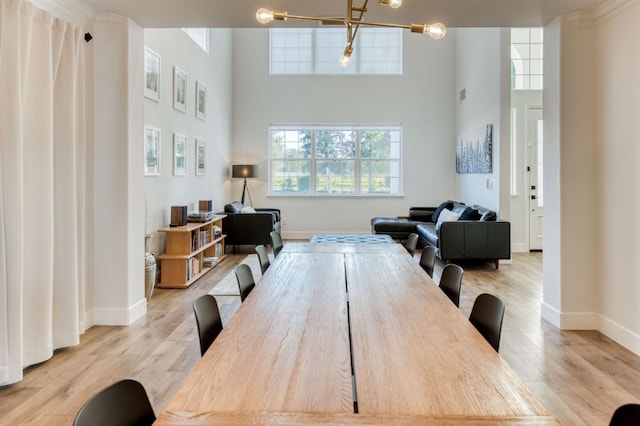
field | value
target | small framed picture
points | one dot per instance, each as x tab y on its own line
179	89
151	151
201	100
201	157
179	155
151	75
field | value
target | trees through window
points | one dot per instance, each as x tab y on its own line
335	160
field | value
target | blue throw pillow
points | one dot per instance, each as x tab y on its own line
469	214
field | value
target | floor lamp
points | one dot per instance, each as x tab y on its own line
244	171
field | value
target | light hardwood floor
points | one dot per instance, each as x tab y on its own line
579	376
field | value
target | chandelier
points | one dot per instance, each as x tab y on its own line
352	21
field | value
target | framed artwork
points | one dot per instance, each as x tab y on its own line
151	75
201	157
474	152
201	100
179	89
151	151
179	155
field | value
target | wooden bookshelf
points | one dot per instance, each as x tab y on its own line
187	248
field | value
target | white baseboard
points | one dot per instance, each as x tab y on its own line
519	248
592	321
120	316
620	334
550	314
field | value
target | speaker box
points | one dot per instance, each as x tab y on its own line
205	206
179	215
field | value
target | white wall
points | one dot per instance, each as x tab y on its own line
480	71
118	191
422	100
571	252
618	134
214	71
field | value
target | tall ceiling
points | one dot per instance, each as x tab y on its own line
241	13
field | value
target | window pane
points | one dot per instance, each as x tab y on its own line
526	58
379	177
316	51
335	177
290	176
335	144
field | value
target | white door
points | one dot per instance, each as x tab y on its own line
536	196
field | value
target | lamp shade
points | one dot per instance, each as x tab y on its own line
244	171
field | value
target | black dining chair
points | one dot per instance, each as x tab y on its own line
486	316
276	242
246	283
626	415
411	243
123	403
428	259
208	320
263	257
451	282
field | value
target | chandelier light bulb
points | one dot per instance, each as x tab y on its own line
264	16
391	3
345	59
436	31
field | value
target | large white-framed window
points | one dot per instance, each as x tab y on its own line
355	160
200	36
316	51
527	58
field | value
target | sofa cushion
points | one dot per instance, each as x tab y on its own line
234	207
427	233
446	205
470	214
486	215
446	216
247	209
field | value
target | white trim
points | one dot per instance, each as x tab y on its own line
128	316
592	321
620	334
610	10
550	314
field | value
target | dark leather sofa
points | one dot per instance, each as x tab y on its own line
478	234
249	228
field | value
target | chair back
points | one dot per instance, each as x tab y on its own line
122	403
263	257
626	415
245	279
276	242
428	259
208	319
451	282
486	315
411	243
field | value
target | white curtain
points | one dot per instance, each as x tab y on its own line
43	140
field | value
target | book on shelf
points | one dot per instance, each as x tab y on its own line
193	267
209	262
217	231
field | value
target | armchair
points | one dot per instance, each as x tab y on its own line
246	225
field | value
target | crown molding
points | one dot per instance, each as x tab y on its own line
611	9
75	11
582	19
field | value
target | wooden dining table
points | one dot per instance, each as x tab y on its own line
351	334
